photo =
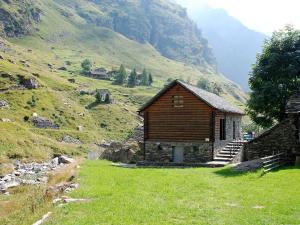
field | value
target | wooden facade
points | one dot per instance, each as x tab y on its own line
166	122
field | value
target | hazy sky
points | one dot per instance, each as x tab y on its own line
261	15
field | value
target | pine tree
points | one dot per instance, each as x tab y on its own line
132	79
121	75
145	78
150	79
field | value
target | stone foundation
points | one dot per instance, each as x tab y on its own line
193	151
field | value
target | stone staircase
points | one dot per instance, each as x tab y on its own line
227	154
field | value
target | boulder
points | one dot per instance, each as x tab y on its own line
3	104
30	83
71	140
9	184
63	68
72	80
41	122
80	128
65	160
118	152
55	161
5	120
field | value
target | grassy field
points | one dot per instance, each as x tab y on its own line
182	196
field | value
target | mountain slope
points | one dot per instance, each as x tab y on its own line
62	35
234	45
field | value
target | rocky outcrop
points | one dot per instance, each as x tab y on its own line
119	152
41	122
163	24
71	140
29	83
18	21
3	104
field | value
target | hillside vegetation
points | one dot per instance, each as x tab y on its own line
63	37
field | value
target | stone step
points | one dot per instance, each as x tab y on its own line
230	150
222	159
225	155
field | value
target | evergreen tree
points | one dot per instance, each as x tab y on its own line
132	79
145	78
121	75
150	79
86	66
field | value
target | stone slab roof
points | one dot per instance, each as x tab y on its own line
293	105
211	99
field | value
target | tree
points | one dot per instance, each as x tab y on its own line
150	79
203	84
274	77
132	79
86	66
145	78
121	75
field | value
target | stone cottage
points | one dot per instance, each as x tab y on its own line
282	138
185	124
100	73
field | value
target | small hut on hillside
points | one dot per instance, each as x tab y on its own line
101	74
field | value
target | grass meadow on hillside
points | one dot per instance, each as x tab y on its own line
181	196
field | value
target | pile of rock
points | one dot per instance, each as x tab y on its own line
31	173
3	104
119	152
138	134
41	122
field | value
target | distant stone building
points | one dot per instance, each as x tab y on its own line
101	74
103	95
185	124
282	138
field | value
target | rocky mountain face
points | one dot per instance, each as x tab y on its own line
17	17
234	45
163	24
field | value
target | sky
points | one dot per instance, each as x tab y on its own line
261	15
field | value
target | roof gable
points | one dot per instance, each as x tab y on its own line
211	99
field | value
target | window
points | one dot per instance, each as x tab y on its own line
177	101
222	129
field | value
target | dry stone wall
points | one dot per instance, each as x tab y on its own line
280	138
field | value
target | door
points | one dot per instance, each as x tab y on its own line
178	154
233	130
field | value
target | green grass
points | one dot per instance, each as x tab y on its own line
181	196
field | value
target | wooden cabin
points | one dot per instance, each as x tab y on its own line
183	123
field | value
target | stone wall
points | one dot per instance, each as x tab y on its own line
281	138
193	151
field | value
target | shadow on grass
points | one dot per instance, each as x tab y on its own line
230	172
92	105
